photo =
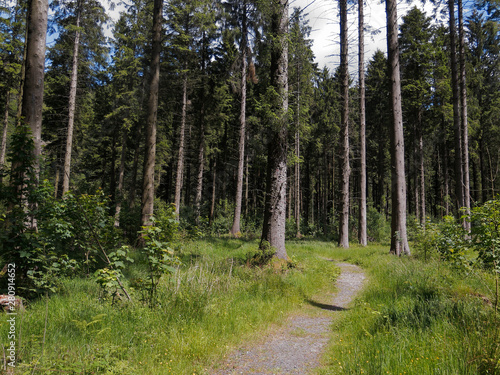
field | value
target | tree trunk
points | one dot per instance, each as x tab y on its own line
297	177
72	104
180	158
346	171
121	173
32	103
456	107
464	121
214	186
362	127
201	166
273	230
148	191
399	240
3	146
421	169
235	229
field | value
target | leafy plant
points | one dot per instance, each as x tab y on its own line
109	278
160	257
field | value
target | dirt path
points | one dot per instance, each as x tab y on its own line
296	347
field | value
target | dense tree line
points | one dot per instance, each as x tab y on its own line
219	107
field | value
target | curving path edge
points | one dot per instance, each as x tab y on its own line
297	346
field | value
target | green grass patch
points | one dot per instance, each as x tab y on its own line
416	318
207	308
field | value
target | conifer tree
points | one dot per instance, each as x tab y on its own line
273	230
399	240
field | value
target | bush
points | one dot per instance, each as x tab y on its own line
377	226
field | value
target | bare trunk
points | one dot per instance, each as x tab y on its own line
297	157
214	186
273	230
201	167
3	146
235	229
464	121
32	103
180	158
297	177
399	240
362	127
72	104
148	190
456	107
135	166
421	171
246	186
121	173
346	170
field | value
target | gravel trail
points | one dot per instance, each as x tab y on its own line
296	347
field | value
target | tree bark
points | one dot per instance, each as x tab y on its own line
399	240
460	199
362	126
148	191
464	120
421	168
180	158
235	229
201	166
72	104
346	170
273	230
32	103
3	146
121	173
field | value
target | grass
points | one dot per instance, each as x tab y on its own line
413	317
417	318
206	309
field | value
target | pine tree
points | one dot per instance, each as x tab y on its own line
344	96
273	230
148	190
399	240
362	126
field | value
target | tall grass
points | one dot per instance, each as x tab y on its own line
416	318
211	304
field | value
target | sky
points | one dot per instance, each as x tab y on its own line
324	21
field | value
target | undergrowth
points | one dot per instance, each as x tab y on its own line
204	310
417	318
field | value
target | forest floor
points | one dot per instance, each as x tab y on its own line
296	346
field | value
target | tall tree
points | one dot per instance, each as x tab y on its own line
362	125
301	74
148	190
416	57
463	116
235	229
32	103
344	97
399	239
273	229
72	101
459	189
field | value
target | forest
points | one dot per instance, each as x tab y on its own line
190	166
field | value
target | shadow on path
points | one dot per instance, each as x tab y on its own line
325	306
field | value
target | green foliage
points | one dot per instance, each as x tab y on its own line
208	308
485	234
262	256
109	277
378	228
416	317
159	255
